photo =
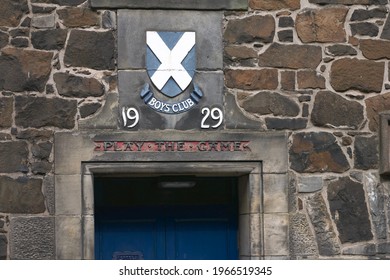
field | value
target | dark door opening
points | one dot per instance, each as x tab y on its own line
166	218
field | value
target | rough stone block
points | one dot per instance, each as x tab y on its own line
22	195
309	184
326	238
78	17
321	25
13	156
286	123
291	56
301	239
247	30
364	29
366	154
43	21
349	210
265	103
263	79
51	39
11	12
6	109
41	111
363	75
32	238
80	43
374	105
317	152
3	247
375	49
77	86
343	113
24	70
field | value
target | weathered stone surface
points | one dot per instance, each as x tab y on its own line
349	210
363	75
287	80
340	50
302	241
375	105
326	238
34	134
40	111
22	195
251	29
291	56
20	42
13	157
271	5
286	22
341	113
308	79
265	103
49	193
366	152
76	86
6	109
24	70
43	21
41	167
78	17
286	36
109	20
3	39
364	29
11	12
361	14
239	52
42	150
51	39
376	201
309	184
89	109
350	2
81	42
285	123
317	152
375	49
386	30
3	247
321	25
32	238
262	79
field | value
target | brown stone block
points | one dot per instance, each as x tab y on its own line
375	105
287	80
270	5
266	103
6	109
322	25
13	157
291	56
77	86
78	17
250	29
239	52
310	79
24	70
363	75
11	12
375	49
252	79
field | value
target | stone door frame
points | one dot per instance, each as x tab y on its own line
262	173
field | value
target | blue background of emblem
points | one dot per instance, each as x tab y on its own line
171	88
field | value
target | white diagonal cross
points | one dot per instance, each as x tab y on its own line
170	59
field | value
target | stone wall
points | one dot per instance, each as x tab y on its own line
318	69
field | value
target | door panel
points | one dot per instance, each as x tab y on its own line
166	228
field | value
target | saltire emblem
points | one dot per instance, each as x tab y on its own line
170	60
171	66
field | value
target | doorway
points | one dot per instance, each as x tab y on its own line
166	217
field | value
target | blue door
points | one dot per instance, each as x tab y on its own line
137	219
